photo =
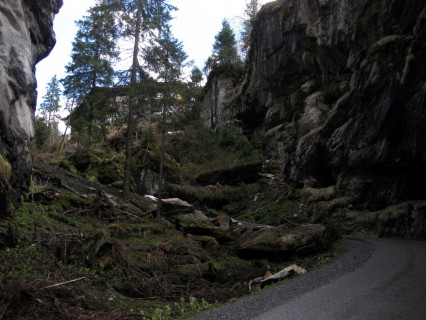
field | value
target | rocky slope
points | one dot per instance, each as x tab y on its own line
336	91
26	37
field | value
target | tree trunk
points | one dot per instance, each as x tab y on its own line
132	105
162	150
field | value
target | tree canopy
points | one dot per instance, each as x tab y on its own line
225	52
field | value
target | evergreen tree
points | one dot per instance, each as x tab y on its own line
196	76
166	59
142	19
51	101
93	52
225	52
250	12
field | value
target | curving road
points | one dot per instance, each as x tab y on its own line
381	279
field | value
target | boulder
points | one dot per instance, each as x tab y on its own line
280	243
174	206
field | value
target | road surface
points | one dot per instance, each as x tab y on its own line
375	279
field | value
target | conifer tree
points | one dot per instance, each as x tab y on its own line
250	12
47	125
51	101
141	19
93	52
166	59
225	52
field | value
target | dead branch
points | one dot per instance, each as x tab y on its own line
63	283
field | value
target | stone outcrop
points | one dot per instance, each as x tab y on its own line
220	88
26	37
336	91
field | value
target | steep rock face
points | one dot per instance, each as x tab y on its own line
218	95
26	37
336	90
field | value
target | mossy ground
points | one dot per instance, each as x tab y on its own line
129	267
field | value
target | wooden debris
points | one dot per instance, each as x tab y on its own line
63	283
269	278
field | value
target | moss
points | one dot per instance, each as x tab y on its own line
150	159
65	164
271	213
108	173
82	161
67	201
5	169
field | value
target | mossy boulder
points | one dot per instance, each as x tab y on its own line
151	159
280	243
147	170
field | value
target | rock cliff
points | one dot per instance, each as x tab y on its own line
336	91
26	37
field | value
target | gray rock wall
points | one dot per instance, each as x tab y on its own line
336	90
26	37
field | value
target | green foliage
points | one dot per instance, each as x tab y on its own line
93	51
46	136
51	101
42	132
182	309
225	52
250	13
66	201
199	149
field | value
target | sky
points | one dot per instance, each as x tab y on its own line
195	24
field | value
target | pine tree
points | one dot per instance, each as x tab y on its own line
93	52
142	19
166	59
49	108
225	52
52	100
250	12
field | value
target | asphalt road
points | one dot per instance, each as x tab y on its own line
376	279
